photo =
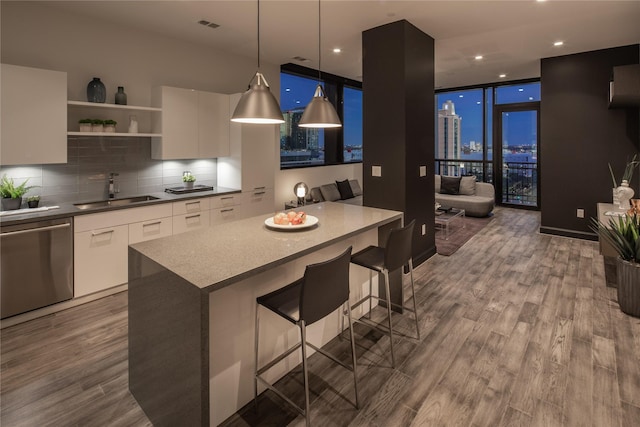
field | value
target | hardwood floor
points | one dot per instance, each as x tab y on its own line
517	328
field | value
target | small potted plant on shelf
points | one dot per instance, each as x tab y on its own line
12	194
97	125
32	201
623	234
110	126
188	179
85	125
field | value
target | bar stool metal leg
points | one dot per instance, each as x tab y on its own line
415	305
305	372
386	287
370	292
353	355
255	358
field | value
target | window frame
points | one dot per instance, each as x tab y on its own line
334	90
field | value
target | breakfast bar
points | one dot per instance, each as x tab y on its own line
192	302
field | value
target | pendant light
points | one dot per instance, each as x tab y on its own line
320	113
258	105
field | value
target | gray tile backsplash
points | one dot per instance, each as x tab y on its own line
90	160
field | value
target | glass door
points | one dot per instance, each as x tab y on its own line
517	181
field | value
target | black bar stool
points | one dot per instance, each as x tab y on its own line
323	289
396	254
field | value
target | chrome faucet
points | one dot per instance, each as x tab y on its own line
112	186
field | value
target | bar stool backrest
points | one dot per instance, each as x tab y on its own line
397	252
325	287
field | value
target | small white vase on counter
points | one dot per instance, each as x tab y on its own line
625	193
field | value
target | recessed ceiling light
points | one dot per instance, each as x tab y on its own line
478	57
297	102
502	76
531	98
287	90
478	102
558	43
520	90
460	96
337	50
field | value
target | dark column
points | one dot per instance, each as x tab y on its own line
398	126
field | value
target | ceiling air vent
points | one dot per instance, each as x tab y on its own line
301	59
208	24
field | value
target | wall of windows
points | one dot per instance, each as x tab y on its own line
467	142
300	147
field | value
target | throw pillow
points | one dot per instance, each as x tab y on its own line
355	187
330	192
468	185
345	189
450	185
316	195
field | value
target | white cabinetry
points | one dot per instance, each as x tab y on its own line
101	241
190	215
251	164
193	124
226	208
34	116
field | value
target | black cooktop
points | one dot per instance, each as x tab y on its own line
184	190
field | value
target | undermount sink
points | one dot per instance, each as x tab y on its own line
114	202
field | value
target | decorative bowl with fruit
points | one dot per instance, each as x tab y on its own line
291	220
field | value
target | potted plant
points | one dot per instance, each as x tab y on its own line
32	201
12	194
85	125
188	179
623	234
110	126
97	125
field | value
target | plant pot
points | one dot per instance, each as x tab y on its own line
85	127
110	128
188	184
97	128
33	203
9	204
628	287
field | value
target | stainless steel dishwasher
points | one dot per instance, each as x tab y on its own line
37	265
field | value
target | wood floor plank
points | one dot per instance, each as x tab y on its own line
606	400
547	415
582	316
554	383
515	347
561	341
604	352
578	409
495	400
627	362
528	386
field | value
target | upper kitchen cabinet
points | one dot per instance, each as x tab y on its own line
624	89
33	116
193	124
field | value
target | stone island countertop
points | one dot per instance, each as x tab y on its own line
221	255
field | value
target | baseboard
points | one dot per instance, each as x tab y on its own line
569	233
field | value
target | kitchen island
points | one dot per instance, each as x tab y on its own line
192	302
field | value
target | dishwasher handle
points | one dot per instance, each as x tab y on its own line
36	230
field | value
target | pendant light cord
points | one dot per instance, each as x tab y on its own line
258	34
319	43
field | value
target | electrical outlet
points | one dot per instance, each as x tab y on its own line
424	229
423	171
580	213
376	170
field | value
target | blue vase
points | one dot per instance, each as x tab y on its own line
96	92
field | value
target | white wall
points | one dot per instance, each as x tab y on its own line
37	35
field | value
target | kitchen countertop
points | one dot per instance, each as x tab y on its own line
217	256
68	209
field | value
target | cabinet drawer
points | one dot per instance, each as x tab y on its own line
226	214
149	230
226	200
120	217
257	202
191	206
190	221
100	259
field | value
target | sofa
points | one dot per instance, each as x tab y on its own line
347	191
476	198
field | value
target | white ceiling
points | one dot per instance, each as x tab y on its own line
512	35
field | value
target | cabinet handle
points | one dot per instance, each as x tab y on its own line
192	216
259	193
152	223
226	198
226	210
259	188
100	233
192	203
35	230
